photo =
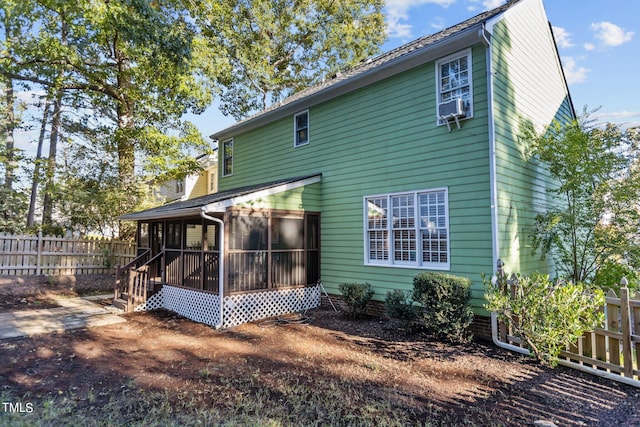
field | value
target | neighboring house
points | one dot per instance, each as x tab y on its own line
191	186
409	162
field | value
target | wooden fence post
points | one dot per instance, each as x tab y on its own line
39	254
625	315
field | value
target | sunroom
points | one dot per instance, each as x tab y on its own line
228	258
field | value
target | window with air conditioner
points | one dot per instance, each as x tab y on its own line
455	87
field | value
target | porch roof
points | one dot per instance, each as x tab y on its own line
219	202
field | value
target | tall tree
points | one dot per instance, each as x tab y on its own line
595	218
269	49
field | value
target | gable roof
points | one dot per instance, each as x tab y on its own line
410	55
218	202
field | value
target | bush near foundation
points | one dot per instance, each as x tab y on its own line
445	300
548	315
356	296
399	305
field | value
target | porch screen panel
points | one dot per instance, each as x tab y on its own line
287	252
143	237
211	258
313	249
192	254
248	253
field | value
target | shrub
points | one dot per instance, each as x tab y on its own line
356	296
446	305
547	315
398	305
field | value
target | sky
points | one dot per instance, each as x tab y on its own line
598	41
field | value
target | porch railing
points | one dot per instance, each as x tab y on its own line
259	270
137	279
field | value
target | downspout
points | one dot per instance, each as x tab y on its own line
485	37
204	215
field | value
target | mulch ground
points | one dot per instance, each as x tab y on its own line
160	351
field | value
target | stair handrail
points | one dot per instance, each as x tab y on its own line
126	269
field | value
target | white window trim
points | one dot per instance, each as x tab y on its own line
418	264
295	129
467	53
223	158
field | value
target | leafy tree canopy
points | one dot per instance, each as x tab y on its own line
595	218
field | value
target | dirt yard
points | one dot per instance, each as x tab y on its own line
160	369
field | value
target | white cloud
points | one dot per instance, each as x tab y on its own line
397	12
475	5
492	4
563	37
437	23
624	119
610	34
589	46
573	72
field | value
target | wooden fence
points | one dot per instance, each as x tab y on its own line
25	255
611	350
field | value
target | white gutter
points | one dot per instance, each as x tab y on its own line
204	215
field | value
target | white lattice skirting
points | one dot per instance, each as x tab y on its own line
243	308
204	307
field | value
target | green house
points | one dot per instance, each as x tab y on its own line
410	161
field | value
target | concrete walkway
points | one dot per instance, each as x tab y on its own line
73	313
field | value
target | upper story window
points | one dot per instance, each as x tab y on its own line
179	186
408	229
301	129
227	157
455	83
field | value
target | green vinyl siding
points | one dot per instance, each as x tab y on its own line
528	88
301	198
383	139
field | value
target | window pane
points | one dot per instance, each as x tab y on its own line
433	225
403	211
378	245
404	245
227	161
377	214
301	123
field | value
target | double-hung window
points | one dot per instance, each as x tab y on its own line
455	81
227	157
301	129
408	229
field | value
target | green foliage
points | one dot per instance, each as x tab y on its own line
398	305
268	49
13	210
595	215
610	274
548	316
356	296
445	299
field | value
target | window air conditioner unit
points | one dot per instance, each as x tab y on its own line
452	110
